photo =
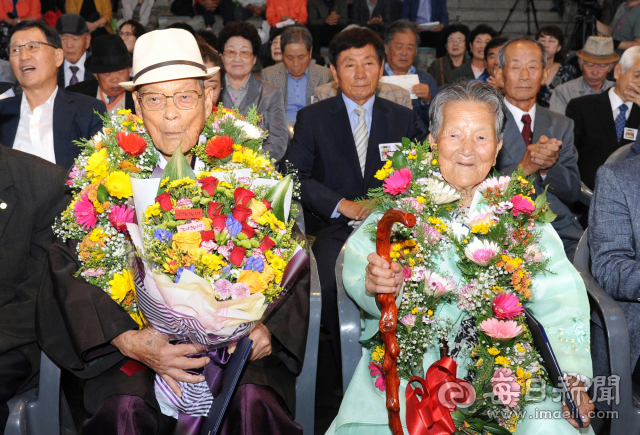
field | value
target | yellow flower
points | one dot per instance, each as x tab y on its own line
268	274
186	240
257	208
434	162
254	280
121	285
124	111
212	261
97	165
493	351
196	253
421	199
182	182
502	361
430	312
412	157
119	185
237	147
482	227
479	362
439	225
237	157
137	317
96	235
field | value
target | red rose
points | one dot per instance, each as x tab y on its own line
215	208
247	230
209	184
219	223
133	144
207	236
219	147
267	204
266	243
241	213
243	196
165	201
237	256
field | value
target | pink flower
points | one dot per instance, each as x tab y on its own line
376	372
225	251
522	205
501	329
85	213
240	290
507	306
93	273
223	289
209	245
481	252
184	203
120	216
409	320
412	202
398	182
406	272
505	387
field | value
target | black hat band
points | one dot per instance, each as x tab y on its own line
169	63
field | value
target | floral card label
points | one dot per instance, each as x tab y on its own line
188	213
193	227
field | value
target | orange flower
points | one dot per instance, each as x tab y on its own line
129	166
253	280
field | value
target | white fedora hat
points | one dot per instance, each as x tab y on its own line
170	54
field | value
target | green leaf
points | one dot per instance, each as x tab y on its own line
177	168
458	415
103	193
276	196
548	216
406	142
399	160
496	429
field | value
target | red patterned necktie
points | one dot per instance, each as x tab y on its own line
526	130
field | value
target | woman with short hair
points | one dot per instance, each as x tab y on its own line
455	39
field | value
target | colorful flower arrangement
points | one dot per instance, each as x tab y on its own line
101	205
498	258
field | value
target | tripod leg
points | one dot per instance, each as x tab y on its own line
535	13
513	8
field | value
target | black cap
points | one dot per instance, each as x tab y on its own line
72	24
109	54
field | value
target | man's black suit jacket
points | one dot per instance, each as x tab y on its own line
34	192
594	131
323	151
73	119
88	75
90	89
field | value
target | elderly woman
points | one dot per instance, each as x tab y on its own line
455	37
467	124
239	43
475	66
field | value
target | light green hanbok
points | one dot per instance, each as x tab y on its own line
560	304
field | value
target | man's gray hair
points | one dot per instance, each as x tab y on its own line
472	92
296	35
629	57
401	26
501	57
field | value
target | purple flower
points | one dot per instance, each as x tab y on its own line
162	235
223	289
191	268
233	226
255	264
240	290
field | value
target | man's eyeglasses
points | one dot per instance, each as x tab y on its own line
455	41
127	34
245	54
185	100
30	47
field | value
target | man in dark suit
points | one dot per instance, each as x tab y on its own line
604	122
76	39
336	150
428	11
33	193
111	64
44	120
536	139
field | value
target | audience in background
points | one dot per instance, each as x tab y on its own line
271	52
75	37
245	9
552	38
625	26
19	11
493	63
183	26
144	12
208	37
28	120
297	77
111	64
596	61
326	19
427	11
210	8
387	91
475	66
455	38
284	10
401	45
239	42
97	14
212	59
538	140
130	31
374	14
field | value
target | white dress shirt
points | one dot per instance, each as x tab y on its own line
35	129
79	74
616	102
518	113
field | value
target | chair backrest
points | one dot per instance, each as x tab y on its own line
350	326
619	154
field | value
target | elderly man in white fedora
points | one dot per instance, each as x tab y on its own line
86	332
596	60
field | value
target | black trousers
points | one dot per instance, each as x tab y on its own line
323	34
225	8
14	369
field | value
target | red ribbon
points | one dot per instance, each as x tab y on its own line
431	415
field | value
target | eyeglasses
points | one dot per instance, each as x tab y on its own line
30	47
185	100
455	41
125	34
245	54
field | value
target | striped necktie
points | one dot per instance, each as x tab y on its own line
361	137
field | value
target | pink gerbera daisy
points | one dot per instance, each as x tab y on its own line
120	216
85	213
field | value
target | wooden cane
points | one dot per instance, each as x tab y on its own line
389	318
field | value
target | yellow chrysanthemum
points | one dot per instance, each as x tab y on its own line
96	235
502	361
386	170
121	285
97	165
439	225
493	351
119	185
212	261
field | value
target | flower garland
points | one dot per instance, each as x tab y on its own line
101	205
499	257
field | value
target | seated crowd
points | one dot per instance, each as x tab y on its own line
488	102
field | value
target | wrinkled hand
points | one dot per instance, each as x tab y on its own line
355	210
634	93
332	19
92	26
541	156
169	361
582	401
380	278
495	82
284	18
261	346
422	91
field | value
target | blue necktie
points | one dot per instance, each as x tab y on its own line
621	120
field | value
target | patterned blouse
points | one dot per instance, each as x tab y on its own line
564	74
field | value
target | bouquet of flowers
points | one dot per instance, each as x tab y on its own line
498	258
102	206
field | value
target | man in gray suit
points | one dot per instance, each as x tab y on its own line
536	139
296	76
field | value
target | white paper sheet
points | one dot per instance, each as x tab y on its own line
406	81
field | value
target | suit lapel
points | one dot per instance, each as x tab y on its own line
514	145
61	77
341	128
312	82
253	94
283	82
10	115
64	113
378	129
541	125
5	192
604	115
